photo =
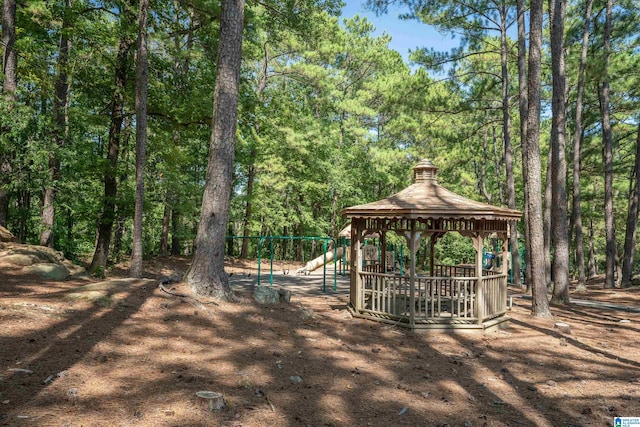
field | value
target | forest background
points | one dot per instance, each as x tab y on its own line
328	116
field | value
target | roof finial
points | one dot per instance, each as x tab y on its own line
425	171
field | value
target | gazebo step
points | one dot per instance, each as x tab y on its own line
443	325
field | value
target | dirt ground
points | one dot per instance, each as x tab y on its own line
137	356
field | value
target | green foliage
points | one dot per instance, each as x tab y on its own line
330	116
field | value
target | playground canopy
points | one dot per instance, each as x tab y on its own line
447	297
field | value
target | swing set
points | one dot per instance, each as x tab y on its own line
286	269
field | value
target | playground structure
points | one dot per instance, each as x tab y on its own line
333	254
447	297
329	254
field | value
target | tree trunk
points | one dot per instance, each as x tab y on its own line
206	275
9	54
175	233
632	221
164	235
107	216
546	223
610	230
24	206
60	131
576	213
9	87
559	164
532	183
247	211
593	266
498	159
142	79
523	102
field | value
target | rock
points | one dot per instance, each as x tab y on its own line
563	327
552	383
625	321
266	295
74	269
295	379
48	271
285	296
6	235
635	280
19	259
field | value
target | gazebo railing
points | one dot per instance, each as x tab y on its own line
495	295
435	299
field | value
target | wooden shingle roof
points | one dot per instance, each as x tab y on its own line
425	198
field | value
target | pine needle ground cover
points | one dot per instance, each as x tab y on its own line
137	356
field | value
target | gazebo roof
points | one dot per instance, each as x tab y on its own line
425	198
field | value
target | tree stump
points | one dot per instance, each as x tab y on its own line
211	400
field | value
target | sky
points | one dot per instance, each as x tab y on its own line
406	35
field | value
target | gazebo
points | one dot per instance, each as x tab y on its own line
445	297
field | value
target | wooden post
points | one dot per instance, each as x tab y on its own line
356	264
383	251
432	260
478	245
505	267
413	237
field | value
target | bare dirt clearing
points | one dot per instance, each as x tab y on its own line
135	355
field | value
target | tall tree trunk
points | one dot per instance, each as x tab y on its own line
546	224
632	221
532	183
498	160
247	211
24	207
107	215
164	235
206	275
9	88
610	230
577	154
523	104
593	266
175	233
559	163
142	79
60	130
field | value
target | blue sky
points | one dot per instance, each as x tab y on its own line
406	35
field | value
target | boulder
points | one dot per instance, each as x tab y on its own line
6	236
48	271
19	259
74	270
266	295
635	280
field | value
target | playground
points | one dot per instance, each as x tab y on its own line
137	355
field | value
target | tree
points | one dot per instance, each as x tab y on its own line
142	78
523	105
559	164
206	275
107	215
607	153
632	220
9	88
531	156
576	213
60	128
